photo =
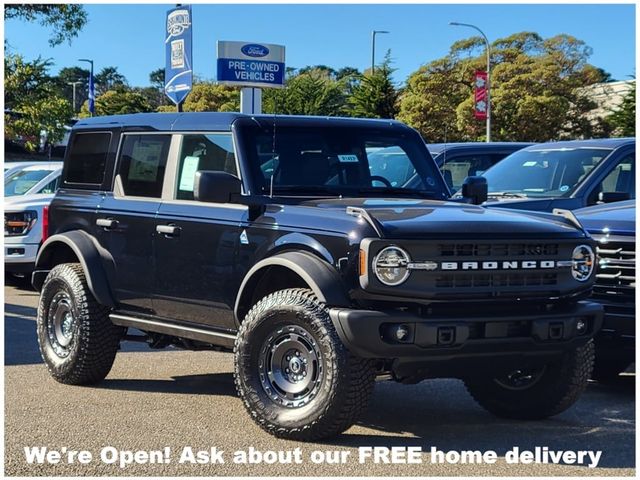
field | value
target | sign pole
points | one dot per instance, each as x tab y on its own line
251	100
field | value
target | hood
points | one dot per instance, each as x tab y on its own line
617	218
417	218
22	202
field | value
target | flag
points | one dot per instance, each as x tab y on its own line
92	94
480	103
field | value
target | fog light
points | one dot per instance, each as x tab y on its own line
581	326
402	332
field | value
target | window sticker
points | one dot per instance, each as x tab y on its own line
348	158
189	169
564	188
529	164
145	158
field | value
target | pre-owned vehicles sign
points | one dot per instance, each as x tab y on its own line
251	64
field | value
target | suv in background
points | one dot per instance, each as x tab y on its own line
271	238
456	161
565	175
613	226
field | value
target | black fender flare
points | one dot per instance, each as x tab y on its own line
322	278
91	256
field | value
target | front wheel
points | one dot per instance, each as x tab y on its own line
536	393
77	340
295	377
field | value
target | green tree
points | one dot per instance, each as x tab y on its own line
109	79
209	97
66	77
33	95
623	119
375	95
66	20
156	78
116	102
535	92
310	93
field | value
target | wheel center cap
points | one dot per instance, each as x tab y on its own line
295	365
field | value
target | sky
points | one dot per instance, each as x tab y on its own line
131	37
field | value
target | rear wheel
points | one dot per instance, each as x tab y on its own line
536	393
295	377
77	340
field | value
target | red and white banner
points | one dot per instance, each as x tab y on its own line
480	103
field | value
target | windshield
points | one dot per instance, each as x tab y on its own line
340	161
542	173
22	181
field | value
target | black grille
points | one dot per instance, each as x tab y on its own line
616	275
492	250
496	280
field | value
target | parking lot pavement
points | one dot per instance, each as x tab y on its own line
157	399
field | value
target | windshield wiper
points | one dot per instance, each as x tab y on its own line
507	195
400	191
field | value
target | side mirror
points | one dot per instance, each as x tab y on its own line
475	190
610	197
215	187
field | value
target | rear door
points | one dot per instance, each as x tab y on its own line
125	223
196	243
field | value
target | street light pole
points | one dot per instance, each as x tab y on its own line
73	84
373	47
91	85
486	41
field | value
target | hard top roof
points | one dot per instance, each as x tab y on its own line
208	121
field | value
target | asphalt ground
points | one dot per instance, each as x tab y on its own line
174	399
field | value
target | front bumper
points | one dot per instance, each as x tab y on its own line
369	333
19	257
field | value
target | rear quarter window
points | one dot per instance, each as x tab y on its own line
87	159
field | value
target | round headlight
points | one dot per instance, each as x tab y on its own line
390	266
583	262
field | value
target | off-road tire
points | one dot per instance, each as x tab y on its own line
94	341
560	385
346	385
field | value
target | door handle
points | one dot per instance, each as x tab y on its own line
107	223
168	230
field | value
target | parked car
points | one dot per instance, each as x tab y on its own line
29	188
458	161
318	275
566	175
613	226
28	178
24	228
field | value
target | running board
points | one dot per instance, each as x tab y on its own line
208	336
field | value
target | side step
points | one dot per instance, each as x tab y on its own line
221	339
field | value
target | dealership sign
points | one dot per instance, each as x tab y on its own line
178	70
481	102
251	64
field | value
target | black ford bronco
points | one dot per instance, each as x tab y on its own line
270	237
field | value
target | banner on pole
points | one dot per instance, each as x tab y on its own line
178	71
480	104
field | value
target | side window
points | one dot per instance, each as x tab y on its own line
87	158
142	164
621	179
51	187
211	151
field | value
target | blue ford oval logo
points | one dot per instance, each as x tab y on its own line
255	50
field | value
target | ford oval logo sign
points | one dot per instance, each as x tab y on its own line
255	50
